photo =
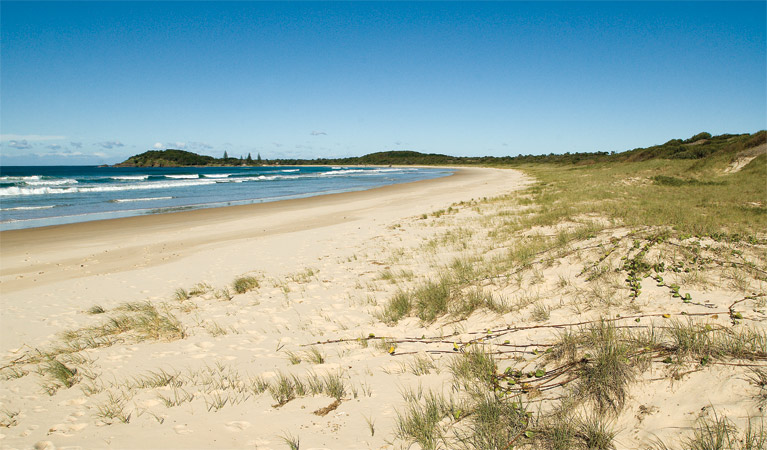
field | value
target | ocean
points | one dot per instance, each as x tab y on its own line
35	196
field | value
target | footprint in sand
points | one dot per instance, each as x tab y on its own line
181	429
29	430
237	425
66	429
74	417
146	404
74	402
44	445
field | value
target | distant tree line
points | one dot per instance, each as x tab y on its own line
698	146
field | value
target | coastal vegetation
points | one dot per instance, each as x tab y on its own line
168	158
671	218
700	146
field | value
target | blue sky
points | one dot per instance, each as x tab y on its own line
93	82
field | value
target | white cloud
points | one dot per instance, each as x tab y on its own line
71	154
66	153
111	144
199	146
76	144
319	133
29	137
181	145
20	144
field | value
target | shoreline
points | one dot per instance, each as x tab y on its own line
136	220
67	216
34	258
16	244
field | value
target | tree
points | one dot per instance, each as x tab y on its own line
225	155
258	157
250	160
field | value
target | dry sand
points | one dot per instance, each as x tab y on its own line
316	258
326	266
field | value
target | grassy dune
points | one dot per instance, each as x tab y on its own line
677	224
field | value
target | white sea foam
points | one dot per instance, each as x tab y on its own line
131	177
18	191
26	208
183	177
32	177
147	199
58	182
338	172
290	170
217	175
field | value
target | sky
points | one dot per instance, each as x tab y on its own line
96	82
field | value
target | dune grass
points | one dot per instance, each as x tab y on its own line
717	432
420	422
60	374
606	374
315	355
63	364
113	409
96	309
242	285
715	204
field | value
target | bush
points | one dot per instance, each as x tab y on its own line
698	137
757	139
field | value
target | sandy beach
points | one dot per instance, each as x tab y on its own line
333	246
383	225
334	322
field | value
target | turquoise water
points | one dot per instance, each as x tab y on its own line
34	196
